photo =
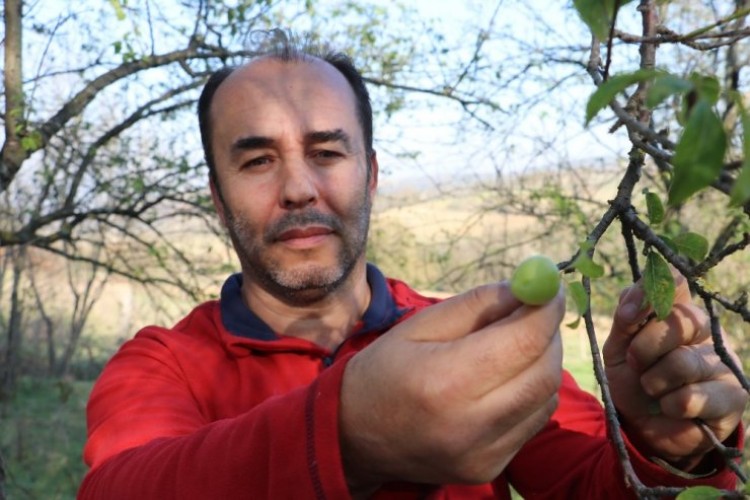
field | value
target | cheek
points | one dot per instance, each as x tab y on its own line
253	201
348	195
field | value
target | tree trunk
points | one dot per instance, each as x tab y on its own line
9	373
13	154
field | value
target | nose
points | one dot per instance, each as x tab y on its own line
298	186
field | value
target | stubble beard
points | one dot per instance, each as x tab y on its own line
309	282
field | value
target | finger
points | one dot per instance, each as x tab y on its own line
494	456
530	389
631	312
502	350
715	399
489	453
462	314
687	324
633	315
491	358
682	366
682	288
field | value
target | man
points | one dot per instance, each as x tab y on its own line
316	377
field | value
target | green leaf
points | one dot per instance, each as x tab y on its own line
32	141
664	86
740	193
574	324
584	265
708	87
119	11
579	296
658	284
609	89
692	245
654	207
699	493
699	154
669	242
597	14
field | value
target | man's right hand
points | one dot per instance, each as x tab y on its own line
451	394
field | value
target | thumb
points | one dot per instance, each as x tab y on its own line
462	314
631	314
632	311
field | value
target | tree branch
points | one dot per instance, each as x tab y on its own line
12	153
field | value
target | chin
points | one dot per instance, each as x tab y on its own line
308	277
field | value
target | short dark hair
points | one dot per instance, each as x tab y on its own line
286	47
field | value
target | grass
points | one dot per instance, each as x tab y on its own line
42	431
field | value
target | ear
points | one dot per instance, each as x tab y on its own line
373	173
217	200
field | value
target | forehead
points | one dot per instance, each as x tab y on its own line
265	94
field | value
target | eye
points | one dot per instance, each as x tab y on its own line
326	156
257	162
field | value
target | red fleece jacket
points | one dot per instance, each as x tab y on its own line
199	412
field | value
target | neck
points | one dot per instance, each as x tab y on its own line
327	322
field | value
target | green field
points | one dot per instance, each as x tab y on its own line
42	431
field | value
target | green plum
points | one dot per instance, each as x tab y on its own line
535	281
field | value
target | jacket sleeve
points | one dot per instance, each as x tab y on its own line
572	457
149	440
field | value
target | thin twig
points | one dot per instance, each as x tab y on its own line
718	340
610	412
610	38
729	454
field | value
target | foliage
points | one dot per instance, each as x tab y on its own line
703	157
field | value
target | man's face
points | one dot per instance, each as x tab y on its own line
292	173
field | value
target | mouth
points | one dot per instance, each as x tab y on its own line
304	237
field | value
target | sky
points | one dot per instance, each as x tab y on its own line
558	118
450	146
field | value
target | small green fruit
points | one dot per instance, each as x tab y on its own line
535	281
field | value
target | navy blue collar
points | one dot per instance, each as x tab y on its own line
239	320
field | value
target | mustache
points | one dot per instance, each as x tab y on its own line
295	220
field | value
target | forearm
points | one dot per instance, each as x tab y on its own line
285	447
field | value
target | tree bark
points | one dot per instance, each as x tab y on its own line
9	373
12	153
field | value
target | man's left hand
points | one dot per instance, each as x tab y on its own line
665	374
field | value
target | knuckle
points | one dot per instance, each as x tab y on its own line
684	403
652	384
531	343
538	392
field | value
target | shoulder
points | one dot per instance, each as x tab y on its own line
407	297
202	323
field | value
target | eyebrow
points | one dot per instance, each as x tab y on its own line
336	135
250	143
318	137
